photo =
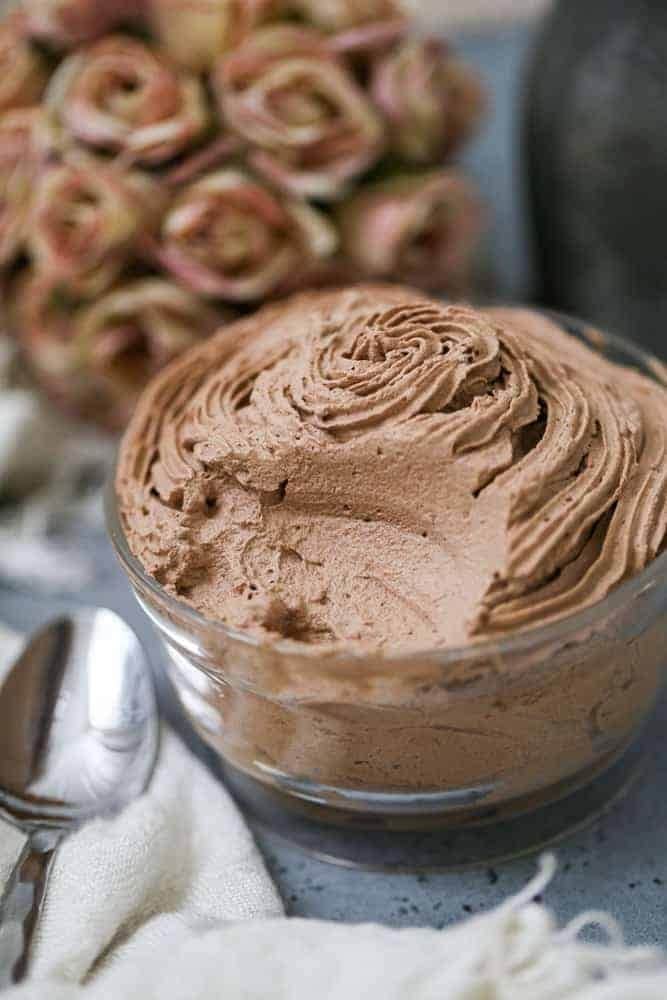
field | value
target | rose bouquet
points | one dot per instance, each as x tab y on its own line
163	161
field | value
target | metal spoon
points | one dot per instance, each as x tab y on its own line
78	738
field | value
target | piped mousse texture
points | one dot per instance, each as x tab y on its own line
371	467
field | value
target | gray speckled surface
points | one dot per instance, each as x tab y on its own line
620	863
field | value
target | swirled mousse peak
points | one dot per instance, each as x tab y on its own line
372	467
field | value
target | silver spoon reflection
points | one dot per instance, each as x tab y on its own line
78	738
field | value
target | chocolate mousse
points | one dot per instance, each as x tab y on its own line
371	468
386	494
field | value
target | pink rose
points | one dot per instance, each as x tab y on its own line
120	95
23	71
311	128
85	219
65	23
229	237
421	229
17	170
95	360
196	32
430	99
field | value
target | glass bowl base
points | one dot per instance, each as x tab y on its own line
444	842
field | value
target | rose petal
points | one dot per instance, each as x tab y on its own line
65	23
17	172
369	38
217	152
339	15
23	72
194	33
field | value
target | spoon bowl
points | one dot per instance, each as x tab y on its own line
78	723
78	738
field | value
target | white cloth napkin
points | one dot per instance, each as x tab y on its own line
179	859
171	901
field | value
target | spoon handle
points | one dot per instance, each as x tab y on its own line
21	903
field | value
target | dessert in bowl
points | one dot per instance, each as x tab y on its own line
405	555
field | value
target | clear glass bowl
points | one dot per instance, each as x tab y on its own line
324	747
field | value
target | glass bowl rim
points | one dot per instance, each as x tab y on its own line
519	640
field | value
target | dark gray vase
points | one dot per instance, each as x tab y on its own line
595	137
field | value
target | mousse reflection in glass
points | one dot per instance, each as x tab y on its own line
405	556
